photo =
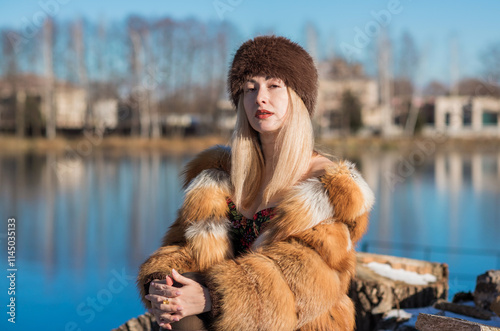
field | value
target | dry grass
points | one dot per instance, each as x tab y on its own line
126	145
356	145
14	145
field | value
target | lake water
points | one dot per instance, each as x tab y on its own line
84	225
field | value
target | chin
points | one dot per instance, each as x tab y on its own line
265	127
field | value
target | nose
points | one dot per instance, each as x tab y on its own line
262	96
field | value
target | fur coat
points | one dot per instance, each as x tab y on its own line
298	272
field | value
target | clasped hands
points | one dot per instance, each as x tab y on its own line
171	304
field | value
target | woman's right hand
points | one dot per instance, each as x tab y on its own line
159	292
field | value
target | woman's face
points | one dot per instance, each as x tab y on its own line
266	102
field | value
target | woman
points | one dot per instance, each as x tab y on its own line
268	225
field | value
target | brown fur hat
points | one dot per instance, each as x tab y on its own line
277	57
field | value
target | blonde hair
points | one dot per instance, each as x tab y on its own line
293	150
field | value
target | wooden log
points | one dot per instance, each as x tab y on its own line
474	312
375	295
426	322
487	288
495	306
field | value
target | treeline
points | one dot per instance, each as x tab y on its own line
154	67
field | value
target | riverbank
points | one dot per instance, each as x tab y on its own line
115	144
337	146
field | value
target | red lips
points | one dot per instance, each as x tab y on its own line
262	114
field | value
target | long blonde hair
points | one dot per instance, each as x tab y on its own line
293	150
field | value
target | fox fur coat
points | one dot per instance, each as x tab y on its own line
297	274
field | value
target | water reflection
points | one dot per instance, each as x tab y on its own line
445	209
80	219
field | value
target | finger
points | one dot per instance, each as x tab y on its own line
158	299
169	280
164	304
152	285
180	278
158	281
165	290
166	317
171	308
166	326
163	285
163	324
156	290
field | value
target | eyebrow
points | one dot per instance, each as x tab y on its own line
267	78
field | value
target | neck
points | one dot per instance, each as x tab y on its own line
268	142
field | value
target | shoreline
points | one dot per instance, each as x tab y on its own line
115	144
195	144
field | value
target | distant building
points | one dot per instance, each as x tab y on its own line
25	93
71	107
328	111
467	115
225	117
336	78
105	114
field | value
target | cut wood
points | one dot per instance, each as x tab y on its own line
495	306
487	288
464	310
375	295
426	322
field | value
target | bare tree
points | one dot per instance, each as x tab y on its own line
138	30
165	67
11	74
435	89
78	45
409	59
490	58
385	77
48	97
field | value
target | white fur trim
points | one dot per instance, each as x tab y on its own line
368	196
316	197
212	178
260	239
348	236
213	227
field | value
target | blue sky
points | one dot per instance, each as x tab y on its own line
433	24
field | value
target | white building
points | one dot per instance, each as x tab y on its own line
328	111
466	115
105	114
71	107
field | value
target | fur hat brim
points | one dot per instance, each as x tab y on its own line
277	57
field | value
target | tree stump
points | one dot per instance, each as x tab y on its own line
374	294
487	289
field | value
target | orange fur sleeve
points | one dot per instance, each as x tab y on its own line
350	197
199	236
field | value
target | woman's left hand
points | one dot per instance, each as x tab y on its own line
191	299
160	295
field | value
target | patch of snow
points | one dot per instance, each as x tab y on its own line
409	277
397	313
